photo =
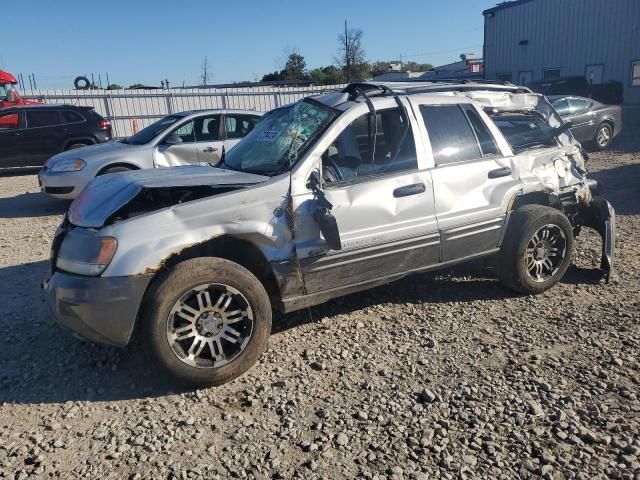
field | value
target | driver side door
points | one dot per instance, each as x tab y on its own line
183	153
383	205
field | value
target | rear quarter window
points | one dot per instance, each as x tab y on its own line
69	116
524	130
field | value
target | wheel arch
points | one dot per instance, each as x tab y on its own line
546	199
131	166
70	141
235	249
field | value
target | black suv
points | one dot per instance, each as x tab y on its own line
30	134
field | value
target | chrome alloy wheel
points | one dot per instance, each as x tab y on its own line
209	325
545	253
604	136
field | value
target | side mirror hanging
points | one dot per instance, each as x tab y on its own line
327	222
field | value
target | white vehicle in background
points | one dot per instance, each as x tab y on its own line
186	138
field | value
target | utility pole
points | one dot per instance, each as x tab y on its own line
346	52
205	71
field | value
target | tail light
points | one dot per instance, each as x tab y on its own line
104	124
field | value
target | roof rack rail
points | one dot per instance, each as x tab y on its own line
430	86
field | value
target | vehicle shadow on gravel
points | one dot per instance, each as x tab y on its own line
621	186
42	363
462	285
32	204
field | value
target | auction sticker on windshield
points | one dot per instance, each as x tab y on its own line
268	136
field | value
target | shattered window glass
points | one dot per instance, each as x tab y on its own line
525	130
280	138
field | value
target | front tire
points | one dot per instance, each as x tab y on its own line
536	250
206	321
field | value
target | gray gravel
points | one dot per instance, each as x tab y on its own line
446	376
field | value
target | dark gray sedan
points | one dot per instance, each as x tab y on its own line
593	124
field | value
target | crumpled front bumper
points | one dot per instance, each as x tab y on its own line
601	216
99	309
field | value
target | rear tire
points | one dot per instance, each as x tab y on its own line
603	137
536	250
187	332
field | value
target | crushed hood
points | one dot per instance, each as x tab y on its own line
107	194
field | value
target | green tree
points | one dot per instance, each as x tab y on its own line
295	68
272	77
114	86
329	75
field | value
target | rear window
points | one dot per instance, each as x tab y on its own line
524	130
42	118
69	116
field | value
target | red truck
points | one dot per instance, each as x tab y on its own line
8	95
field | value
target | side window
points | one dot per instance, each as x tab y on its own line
238	126
42	118
368	147
485	139
185	132
207	128
8	121
579	106
562	107
71	117
452	139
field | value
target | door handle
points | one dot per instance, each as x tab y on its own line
407	190
210	150
500	172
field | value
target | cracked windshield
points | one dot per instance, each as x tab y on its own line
280	138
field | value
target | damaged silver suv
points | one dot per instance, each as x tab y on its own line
327	196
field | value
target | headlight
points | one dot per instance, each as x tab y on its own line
68	165
85	253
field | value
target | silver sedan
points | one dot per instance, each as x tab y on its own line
592	123
186	138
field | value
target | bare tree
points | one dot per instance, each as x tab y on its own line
204	71
351	57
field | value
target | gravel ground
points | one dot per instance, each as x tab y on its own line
447	376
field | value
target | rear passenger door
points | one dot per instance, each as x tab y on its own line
236	127
472	178
42	136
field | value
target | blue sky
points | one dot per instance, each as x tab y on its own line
146	41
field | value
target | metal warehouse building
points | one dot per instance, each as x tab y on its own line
528	40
